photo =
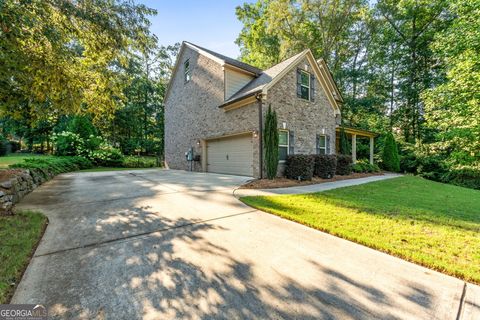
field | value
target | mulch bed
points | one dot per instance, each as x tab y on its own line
284	182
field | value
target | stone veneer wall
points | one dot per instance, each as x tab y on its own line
15	184
305	118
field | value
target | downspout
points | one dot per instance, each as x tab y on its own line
260	133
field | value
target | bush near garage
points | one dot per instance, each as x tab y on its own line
300	167
344	165
325	166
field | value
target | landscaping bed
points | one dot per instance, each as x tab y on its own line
433	224
284	182
19	236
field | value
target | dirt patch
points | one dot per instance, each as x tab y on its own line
284	182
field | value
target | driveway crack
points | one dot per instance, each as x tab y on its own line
141	235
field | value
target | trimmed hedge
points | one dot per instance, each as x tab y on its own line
300	167
344	165
46	168
325	166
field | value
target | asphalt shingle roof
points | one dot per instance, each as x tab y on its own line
259	82
262	80
229	60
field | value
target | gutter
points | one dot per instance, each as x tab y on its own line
240	98
260	133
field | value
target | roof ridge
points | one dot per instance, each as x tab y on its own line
229	60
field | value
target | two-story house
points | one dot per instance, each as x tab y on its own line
215	106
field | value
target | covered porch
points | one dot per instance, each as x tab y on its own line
352	135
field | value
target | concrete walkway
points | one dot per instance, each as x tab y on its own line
312	187
159	244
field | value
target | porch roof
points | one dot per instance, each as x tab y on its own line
358	132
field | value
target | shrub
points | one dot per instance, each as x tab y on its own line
363	166
3	146
325	166
139	162
270	139
344	144
431	167
299	167
129	146
107	156
390	158
465	176
45	168
68	143
15	146
344	164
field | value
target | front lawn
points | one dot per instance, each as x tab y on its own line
13	158
19	235
429	223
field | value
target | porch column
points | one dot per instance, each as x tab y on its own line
371	150
354	148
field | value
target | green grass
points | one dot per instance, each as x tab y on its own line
7	160
19	235
429	223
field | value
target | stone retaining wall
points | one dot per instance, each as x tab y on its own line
15	184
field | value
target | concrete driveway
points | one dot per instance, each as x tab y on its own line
158	244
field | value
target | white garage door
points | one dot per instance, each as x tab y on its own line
232	155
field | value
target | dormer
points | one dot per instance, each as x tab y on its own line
235	79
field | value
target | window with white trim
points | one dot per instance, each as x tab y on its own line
321	144
186	67
283	144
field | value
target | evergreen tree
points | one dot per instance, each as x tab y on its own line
270	140
344	145
391	159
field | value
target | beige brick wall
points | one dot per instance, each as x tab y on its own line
304	118
192	113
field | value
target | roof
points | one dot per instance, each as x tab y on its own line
229	60
257	84
264	80
357	131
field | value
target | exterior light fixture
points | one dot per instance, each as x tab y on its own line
255	133
198	142
284	125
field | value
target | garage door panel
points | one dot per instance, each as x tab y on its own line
232	155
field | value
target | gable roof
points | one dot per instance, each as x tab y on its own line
271	76
266	77
263	80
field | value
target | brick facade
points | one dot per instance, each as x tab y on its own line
192	114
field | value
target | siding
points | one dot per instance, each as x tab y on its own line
234	81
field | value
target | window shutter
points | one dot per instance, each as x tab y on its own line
299	81
291	142
327	142
312	87
317	144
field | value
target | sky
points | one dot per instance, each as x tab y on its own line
207	23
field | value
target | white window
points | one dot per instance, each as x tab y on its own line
283	145
186	66
321	144
304	85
